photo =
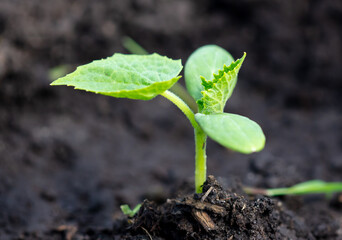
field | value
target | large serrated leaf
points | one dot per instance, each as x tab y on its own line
233	131
126	76
218	90
205	62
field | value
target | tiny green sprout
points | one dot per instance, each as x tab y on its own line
128	211
210	76
59	71
308	187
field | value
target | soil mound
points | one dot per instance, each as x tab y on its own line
220	214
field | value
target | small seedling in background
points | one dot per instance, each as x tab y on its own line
309	187
133	47
210	76
59	71
128	211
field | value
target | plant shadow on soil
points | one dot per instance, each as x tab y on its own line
69	158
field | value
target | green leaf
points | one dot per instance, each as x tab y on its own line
128	211
126	76
309	187
233	131
218	90
205	62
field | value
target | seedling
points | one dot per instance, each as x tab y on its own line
128	211
308	187
210	77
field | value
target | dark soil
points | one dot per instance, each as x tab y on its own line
68	159
220	214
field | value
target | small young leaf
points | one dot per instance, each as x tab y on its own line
309	187
205	62
126	76
128	211
233	131
218	90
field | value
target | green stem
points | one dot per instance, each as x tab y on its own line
200	140
182	106
180	91
201	159
132	46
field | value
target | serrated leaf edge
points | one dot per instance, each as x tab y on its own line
209	85
123	93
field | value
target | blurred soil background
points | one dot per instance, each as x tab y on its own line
71	158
